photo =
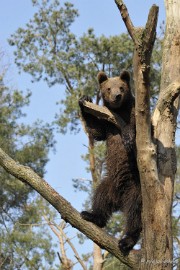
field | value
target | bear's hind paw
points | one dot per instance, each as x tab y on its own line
126	244
91	217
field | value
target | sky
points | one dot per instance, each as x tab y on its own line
104	17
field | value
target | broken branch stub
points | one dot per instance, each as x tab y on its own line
104	113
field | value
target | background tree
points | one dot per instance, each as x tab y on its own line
22	242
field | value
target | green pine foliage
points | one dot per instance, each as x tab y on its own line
23	245
111	263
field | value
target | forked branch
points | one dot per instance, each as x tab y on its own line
149	30
143	39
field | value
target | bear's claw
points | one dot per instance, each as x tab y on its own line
83	99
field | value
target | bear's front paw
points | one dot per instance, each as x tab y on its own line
126	244
91	217
83	99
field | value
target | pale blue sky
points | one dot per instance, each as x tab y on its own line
104	17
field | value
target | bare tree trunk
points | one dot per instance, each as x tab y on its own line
98	259
92	161
165	126
97	253
157	166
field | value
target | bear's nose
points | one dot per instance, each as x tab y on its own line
118	96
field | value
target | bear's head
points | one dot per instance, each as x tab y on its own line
115	91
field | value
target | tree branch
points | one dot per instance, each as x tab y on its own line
103	113
165	100
68	213
167	97
125	16
150	28
164	123
74	250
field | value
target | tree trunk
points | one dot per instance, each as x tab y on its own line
157	169
165	126
98	258
157	252
97	252
157	165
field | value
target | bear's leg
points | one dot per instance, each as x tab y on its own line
101	208
133	226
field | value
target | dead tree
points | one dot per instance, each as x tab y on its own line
156	152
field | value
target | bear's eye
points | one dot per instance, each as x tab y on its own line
121	89
109	89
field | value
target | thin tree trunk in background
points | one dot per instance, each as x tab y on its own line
92	161
97	252
98	259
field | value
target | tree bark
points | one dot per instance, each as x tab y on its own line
97	252
165	126
97	258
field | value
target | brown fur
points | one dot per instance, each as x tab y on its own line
120	189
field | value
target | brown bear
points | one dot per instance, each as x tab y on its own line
120	189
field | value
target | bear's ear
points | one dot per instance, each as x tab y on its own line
102	77
125	76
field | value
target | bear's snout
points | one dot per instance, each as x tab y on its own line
116	96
